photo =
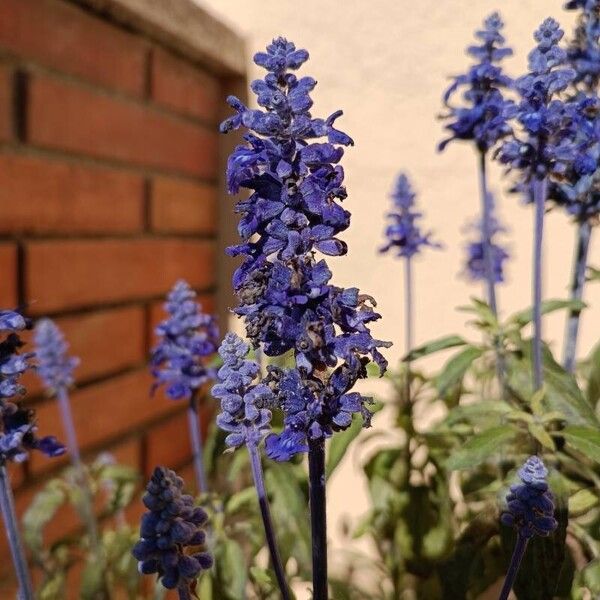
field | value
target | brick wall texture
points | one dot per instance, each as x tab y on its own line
108	192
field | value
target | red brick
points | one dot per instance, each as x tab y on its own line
38	196
8	268
183	207
183	87
66	38
104	341
73	118
168	443
70	273
102	411
6	100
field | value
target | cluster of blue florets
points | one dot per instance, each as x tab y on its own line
403	234
55	367
187	338
294	211
17	424
172	524
530	506
486	114
245	406
584	49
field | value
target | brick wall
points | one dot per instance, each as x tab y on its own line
109	186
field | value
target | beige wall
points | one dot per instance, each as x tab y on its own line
386	63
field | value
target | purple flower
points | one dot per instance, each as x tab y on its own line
171	525
17	425
290	164
245	413
584	49
545	145
475	262
530	507
187	338
485	116
403	234
55	366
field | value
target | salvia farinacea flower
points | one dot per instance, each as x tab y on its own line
475	260
545	145
187	338
172	534
18	430
584	48
55	367
530	506
485	113
290	164
403	234
245	405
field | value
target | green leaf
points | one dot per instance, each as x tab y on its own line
542	436
480	447
232	564
593	274
584	439
454	370
93	584
581	501
339	444
524	317
477	410
240	499
593	381
449	341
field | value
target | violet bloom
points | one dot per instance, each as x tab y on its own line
171	526
484	117
55	366
545	145
530	511
404	236
245	406
187	338
584	49
294	212
18	427
475	261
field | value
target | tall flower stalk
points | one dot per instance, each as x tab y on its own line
543	149
530	511
289	162
405	239
17	436
188	337
55	369
483	119
246	417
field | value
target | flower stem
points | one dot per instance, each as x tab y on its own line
487	234
409	318
513	569
584	232
318	516
265	512
196	438
7	505
540	187
80	473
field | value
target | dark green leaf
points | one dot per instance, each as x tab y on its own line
339	444
454	370
480	447
449	341
524	317
584	439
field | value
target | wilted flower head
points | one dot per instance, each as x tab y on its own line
17	425
484	117
245	406
55	366
171	526
475	267
530	507
187	338
403	234
548	124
